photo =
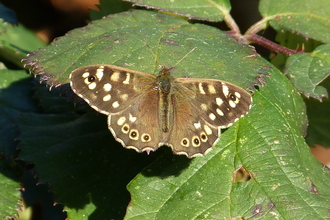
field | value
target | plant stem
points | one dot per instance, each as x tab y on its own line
232	24
271	45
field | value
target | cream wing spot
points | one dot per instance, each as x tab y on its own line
238	95
127	80
201	89
121	121
107	87
85	74
225	89
197	125
86	81
212	116
124	97
115	104
99	72
220	112
203	107
92	86
211	89
207	130
106	98
115	76
219	101
132	118
232	104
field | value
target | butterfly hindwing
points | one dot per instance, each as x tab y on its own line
138	127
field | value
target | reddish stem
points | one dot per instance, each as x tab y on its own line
271	45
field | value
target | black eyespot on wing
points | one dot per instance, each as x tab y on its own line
91	78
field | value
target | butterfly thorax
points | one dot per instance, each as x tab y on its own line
164	80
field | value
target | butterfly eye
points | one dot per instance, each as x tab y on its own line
91	78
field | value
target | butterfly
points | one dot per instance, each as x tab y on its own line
146	111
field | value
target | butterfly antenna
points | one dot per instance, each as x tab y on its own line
155	57
185	56
156	60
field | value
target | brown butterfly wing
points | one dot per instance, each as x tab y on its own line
129	99
197	108
202	107
110	89
138	126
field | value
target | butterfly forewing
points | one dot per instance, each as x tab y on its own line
221	103
110	89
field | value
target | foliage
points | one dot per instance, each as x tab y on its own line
70	148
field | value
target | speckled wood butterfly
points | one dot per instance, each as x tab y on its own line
147	111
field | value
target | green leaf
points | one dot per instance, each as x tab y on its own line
214	10
292	41
307	71
77	155
54	100
88	170
9	193
307	17
142	40
319	120
16	41
287	182
15	98
35	194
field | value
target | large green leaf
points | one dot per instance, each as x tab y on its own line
306	17
142	40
